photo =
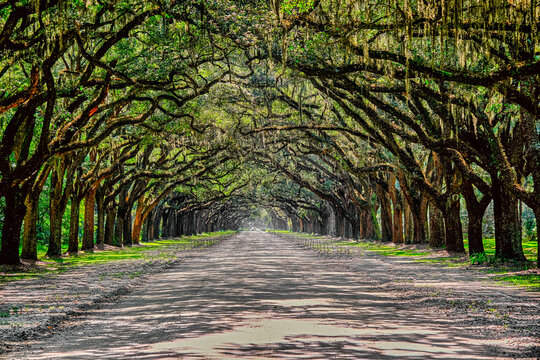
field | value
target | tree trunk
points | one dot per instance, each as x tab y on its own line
436	227
109	225
474	230
73	245
100	238
146	229
339	225
407	224
419	233
119	227
475	215
164	223
375	223
453	231
386	214
29	243
324	222
355	228
14	212
537	218
397	203
127	240
88	225
419	222
156	222
56	213
138	222
507	229
120	217
57	207
295	224
420	237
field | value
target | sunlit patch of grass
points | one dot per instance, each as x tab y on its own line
448	261
530	247
404	252
385	250
138	252
529	281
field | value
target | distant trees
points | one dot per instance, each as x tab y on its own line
360	119
86	88
448	90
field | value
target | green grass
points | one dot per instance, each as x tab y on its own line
448	261
530	248
529	281
385	250
144	250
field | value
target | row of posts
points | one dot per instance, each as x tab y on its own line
323	247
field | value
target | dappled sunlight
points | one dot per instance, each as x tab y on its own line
258	296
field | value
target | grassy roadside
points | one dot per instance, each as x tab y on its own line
504	272
147	250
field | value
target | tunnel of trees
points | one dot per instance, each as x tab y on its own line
407	121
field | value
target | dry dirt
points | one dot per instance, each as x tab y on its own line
257	296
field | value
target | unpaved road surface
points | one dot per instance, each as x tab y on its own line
257	296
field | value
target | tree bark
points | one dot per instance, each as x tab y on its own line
14	212
475	214
397	205
375	223
109	225
408	230
146	229
156	223
436	227
73	244
138	222
29	243
100	238
127	236
56	213
88	225
537	218
453	231
57	206
386	214
120	217
419	233
507	223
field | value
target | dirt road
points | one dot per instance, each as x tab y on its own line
258	296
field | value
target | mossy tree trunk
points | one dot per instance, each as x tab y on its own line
436	227
109	224
507	223
29	240
453	230
386	214
14	212
73	242
101	213
475	215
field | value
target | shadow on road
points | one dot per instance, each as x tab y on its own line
257	296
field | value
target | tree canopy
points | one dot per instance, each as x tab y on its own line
395	120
